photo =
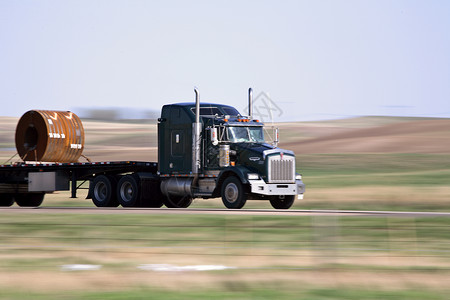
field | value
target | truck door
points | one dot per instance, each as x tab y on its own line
175	140
177	149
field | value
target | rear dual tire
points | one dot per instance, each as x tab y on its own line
23	200
29	199
6	200
107	191
129	192
103	192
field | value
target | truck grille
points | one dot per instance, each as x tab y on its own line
281	170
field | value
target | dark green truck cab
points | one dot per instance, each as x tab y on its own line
233	160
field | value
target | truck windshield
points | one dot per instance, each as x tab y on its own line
241	134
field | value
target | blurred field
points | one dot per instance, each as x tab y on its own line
268	257
376	162
373	163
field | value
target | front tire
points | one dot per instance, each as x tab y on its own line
233	194
282	202
104	191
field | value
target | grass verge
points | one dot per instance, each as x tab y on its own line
310	257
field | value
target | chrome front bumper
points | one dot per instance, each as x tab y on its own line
274	189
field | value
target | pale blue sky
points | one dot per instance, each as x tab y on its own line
316	59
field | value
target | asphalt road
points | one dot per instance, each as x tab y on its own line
252	212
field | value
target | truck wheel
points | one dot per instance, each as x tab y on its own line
128	191
178	201
104	191
29	200
233	195
6	199
280	202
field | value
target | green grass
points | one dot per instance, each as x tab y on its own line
399	182
276	257
268	234
251	292
348	170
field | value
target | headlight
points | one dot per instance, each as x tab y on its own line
252	176
298	176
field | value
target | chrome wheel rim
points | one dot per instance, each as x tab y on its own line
231	192
100	191
126	191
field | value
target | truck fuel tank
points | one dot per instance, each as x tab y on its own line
177	187
224	155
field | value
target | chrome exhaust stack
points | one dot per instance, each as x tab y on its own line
250	103
197	105
196	131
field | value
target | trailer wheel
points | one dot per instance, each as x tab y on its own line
30	199
280	202
104	191
128	191
177	201
233	194
6	199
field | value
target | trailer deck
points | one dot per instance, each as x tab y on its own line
16	175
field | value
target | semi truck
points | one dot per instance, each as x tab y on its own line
205	150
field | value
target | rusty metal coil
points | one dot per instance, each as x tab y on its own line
50	136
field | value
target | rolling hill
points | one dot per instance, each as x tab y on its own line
138	141
366	135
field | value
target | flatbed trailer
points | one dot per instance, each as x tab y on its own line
27	183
